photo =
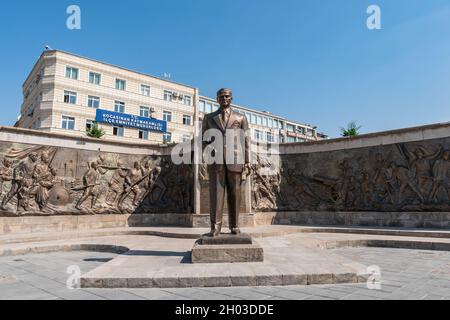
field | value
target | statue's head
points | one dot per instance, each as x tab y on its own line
101	159
393	165
119	163
446	155
224	97
94	165
7	162
45	158
137	165
54	172
419	153
33	156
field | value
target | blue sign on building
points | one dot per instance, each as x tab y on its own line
128	120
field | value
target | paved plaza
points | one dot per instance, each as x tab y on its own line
405	274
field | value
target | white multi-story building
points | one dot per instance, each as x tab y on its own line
68	93
266	126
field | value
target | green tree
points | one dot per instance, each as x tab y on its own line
94	131
351	130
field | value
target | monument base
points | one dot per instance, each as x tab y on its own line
227	248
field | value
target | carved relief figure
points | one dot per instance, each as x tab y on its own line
399	179
186	190
154	183
45	183
367	189
116	183
420	166
23	195
6	173
380	184
22	176
90	186
345	185
131	185
262	188
441	180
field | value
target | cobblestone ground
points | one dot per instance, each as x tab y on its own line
405	274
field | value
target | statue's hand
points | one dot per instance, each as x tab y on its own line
247	169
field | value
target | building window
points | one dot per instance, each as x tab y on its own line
290	128
143	134
187	120
270	124
291	139
95	78
167	116
167	137
258	135
253	119
121	84
309	132
168	95
187	138
68	123
145	90
144	112
118	131
259	121
70	97
93	102
187	100
264	122
209	107
202	106
269	137
89	124
119	107
72	73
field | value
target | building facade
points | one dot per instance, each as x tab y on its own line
68	93
265	126
65	92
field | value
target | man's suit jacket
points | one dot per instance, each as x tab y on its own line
236	121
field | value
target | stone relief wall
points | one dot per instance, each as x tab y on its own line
393	178
45	180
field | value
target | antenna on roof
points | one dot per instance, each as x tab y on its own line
167	75
47	47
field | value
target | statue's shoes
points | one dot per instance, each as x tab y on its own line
235	231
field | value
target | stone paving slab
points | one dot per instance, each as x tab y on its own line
195	233
393	262
291	259
172	269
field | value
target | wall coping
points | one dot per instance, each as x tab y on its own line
404	135
418	133
81	141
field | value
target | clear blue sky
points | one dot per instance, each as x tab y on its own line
312	61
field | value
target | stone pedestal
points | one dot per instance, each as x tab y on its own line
227	248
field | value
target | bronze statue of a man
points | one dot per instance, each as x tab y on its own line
230	165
